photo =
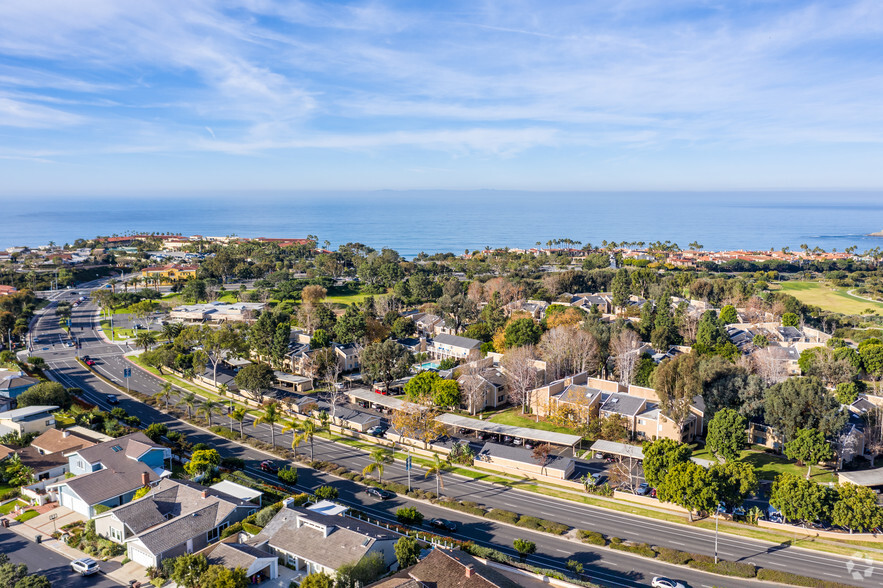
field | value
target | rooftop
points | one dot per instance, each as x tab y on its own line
457	341
518	432
28	411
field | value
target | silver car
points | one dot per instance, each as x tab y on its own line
85	566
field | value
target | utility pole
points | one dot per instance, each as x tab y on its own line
717	512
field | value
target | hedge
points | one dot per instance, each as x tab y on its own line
467	507
505	516
725	568
673	556
797	580
251	529
591	537
639	548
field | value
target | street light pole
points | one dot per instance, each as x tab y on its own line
717	512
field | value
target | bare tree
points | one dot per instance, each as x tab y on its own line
521	374
874	433
555	347
625	347
846	446
768	366
688	326
585	352
473	387
330	373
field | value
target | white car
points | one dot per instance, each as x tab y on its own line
85	567
660	582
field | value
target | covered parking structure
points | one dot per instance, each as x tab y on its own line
299	383
561	440
369	399
633	452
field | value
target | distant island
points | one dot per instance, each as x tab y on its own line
877	234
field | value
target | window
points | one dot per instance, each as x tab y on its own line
116	534
49	423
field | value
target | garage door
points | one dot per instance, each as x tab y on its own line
140	556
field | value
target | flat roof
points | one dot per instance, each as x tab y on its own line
519	432
614	448
375	398
872	477
291	378
237	490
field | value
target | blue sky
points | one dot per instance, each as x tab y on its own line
111	97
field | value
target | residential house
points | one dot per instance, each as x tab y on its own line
259	565
167	274
30	419
108	474
316	542
575	390
520	460
426	323
46	466
355	419
348	356
443	568
58	441
13	385
217	312
489	379
453	346
645	420
535	308
6	404
7	290
174	518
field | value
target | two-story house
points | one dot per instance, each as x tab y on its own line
174	518
30	419
444	346
110	473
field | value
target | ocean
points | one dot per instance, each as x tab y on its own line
441	221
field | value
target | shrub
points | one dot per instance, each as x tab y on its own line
504	516
485	552
265	515
288	476
467	507
409	516
796	579
233	529
327	492
639	548
673	556
27	515
250	529
591	537
300	499
232	463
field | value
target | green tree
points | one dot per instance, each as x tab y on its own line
802	403
524	548
856	508
403	327
361	573
166	393
665	329
690	486
409	516
660	456
327	493
728	315
760	341
320	339
678	383
446	393
790	319
798	499
188	569
419	388
255	379
317	580
521	332
809	447
351	326
709	334
734	481
726	434
308	429
872	359
437	468
46	394
202	462
407	550
621	288
386	361
381	457
238	414
271	416
33	582
145	339
222	577
156	431
847	392
208	408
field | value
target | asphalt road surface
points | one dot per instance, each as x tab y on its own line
609	567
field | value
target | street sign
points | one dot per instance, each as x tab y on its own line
127	372
408	463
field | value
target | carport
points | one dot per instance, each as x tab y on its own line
373	399
299	383
536	435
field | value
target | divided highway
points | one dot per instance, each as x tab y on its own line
601	565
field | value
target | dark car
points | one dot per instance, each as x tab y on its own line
270	467
443	524
112	399
482	435
643	489
377	431
379	493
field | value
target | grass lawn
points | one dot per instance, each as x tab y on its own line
828	298
514	418
27	515
345	295
118	333
174	299
7	508
770	465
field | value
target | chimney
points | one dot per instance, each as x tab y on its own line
469	570
205	493
145	479
66	433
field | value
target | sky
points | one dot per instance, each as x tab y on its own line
155	96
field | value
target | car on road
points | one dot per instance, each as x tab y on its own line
377	431
112	399
643	489
89	362
379	493
443	524
269	466
85	566
661	582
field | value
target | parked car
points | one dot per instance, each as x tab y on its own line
85	566
507	439
112	399
269	467
517	441
528	445
660	582
443	524
598	477
85	357
377	431
482	436
643	489
379	493
652	492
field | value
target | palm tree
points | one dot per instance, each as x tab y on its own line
293	426
238	415
145	339
189	400
166	393
271	416
223	389
171	330
208	408
438	467
309	430
381	457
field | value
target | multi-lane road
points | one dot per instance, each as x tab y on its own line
605	566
